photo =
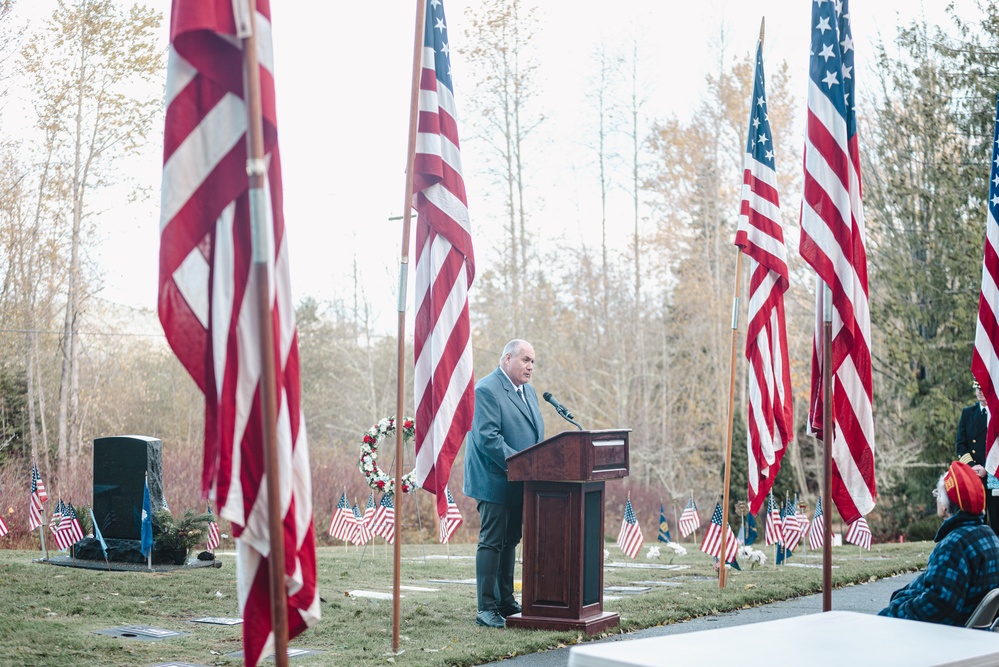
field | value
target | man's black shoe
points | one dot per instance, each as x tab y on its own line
510	609
490	618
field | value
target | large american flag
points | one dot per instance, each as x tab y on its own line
859	533
711	544
833	243
774	530
208	291
451	520
342	523
384	522
985	360
445	266
630	538
689	518
38	496
816	533
761	237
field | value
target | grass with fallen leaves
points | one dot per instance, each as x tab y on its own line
51	613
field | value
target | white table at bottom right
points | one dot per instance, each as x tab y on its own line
831	639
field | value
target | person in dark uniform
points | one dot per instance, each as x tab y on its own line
971	450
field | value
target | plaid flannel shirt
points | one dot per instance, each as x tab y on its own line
962	568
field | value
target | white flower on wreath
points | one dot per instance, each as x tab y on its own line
368	460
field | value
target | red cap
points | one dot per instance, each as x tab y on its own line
965	488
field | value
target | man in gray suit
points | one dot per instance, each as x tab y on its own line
507	420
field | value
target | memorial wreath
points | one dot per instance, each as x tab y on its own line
368	463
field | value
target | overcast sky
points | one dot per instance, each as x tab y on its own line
343	76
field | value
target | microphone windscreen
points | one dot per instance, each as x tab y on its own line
547	395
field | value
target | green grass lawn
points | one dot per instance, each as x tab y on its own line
50	613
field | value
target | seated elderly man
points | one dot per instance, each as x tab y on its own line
963	566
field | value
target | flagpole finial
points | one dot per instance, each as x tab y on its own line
763	22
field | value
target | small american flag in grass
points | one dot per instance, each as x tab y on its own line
711	544
213	532
689	518
451	519
859	533
630	539
384	522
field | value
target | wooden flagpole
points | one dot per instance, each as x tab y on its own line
768	520
256	169
41	535
346	548
414	114
676	522
827	436
730	425
41	527
695	509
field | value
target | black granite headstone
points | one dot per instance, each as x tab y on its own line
121	464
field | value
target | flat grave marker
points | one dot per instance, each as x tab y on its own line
292	653
217	620
140	632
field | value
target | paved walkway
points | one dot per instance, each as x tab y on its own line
869	598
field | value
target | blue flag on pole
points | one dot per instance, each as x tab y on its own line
663	526
751	533
147	521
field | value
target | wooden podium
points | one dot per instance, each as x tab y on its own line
563	553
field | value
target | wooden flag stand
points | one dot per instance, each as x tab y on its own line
730	425
731	414
256	168
414	114
827	434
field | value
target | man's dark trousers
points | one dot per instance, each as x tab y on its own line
496	556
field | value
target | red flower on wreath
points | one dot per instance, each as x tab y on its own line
368	461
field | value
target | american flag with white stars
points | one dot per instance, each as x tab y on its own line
711	544
761	237
985	361
444	383
630	539
833	242
816	534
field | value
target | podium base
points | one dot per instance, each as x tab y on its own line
590	626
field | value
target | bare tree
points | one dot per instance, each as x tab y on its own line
85	67
505	69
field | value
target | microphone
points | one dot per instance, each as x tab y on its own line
561	409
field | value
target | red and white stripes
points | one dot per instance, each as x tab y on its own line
833	243
445	266
985	361
761	237
207	298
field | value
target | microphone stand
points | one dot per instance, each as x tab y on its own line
566	415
